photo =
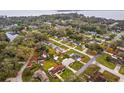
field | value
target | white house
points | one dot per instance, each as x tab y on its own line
66	62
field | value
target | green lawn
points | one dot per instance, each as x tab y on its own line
70	52
48	64
64	47
70	44
57	44
52	51
64	42
84	59
52	79
76	65
110	77
121	70
91	69
79	48
66	74
54	38
102	59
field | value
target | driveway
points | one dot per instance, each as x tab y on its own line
111	71
86	65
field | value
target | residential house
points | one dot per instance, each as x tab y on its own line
40	75
76	57
66	62
56	69
116	60
55	58
97	77
107	38
60	50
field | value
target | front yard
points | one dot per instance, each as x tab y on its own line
92	68
67	74
76	65
79	48
48	64
110	77
84	59
121	70
102	59
59	45
68	43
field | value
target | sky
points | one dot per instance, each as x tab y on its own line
119	15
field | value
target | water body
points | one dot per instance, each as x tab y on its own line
118	15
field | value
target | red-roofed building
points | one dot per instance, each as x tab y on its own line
56	69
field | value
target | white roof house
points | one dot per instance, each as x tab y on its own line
66	62
11	36
56	57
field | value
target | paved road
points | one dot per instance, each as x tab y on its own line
82	52
86	65
92	60
19	75
111	71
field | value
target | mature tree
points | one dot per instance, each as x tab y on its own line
23	52
3	45
94	46
3	37
18	40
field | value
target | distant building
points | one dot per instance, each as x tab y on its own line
60	50
33	26
107	38
3	16
92	32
